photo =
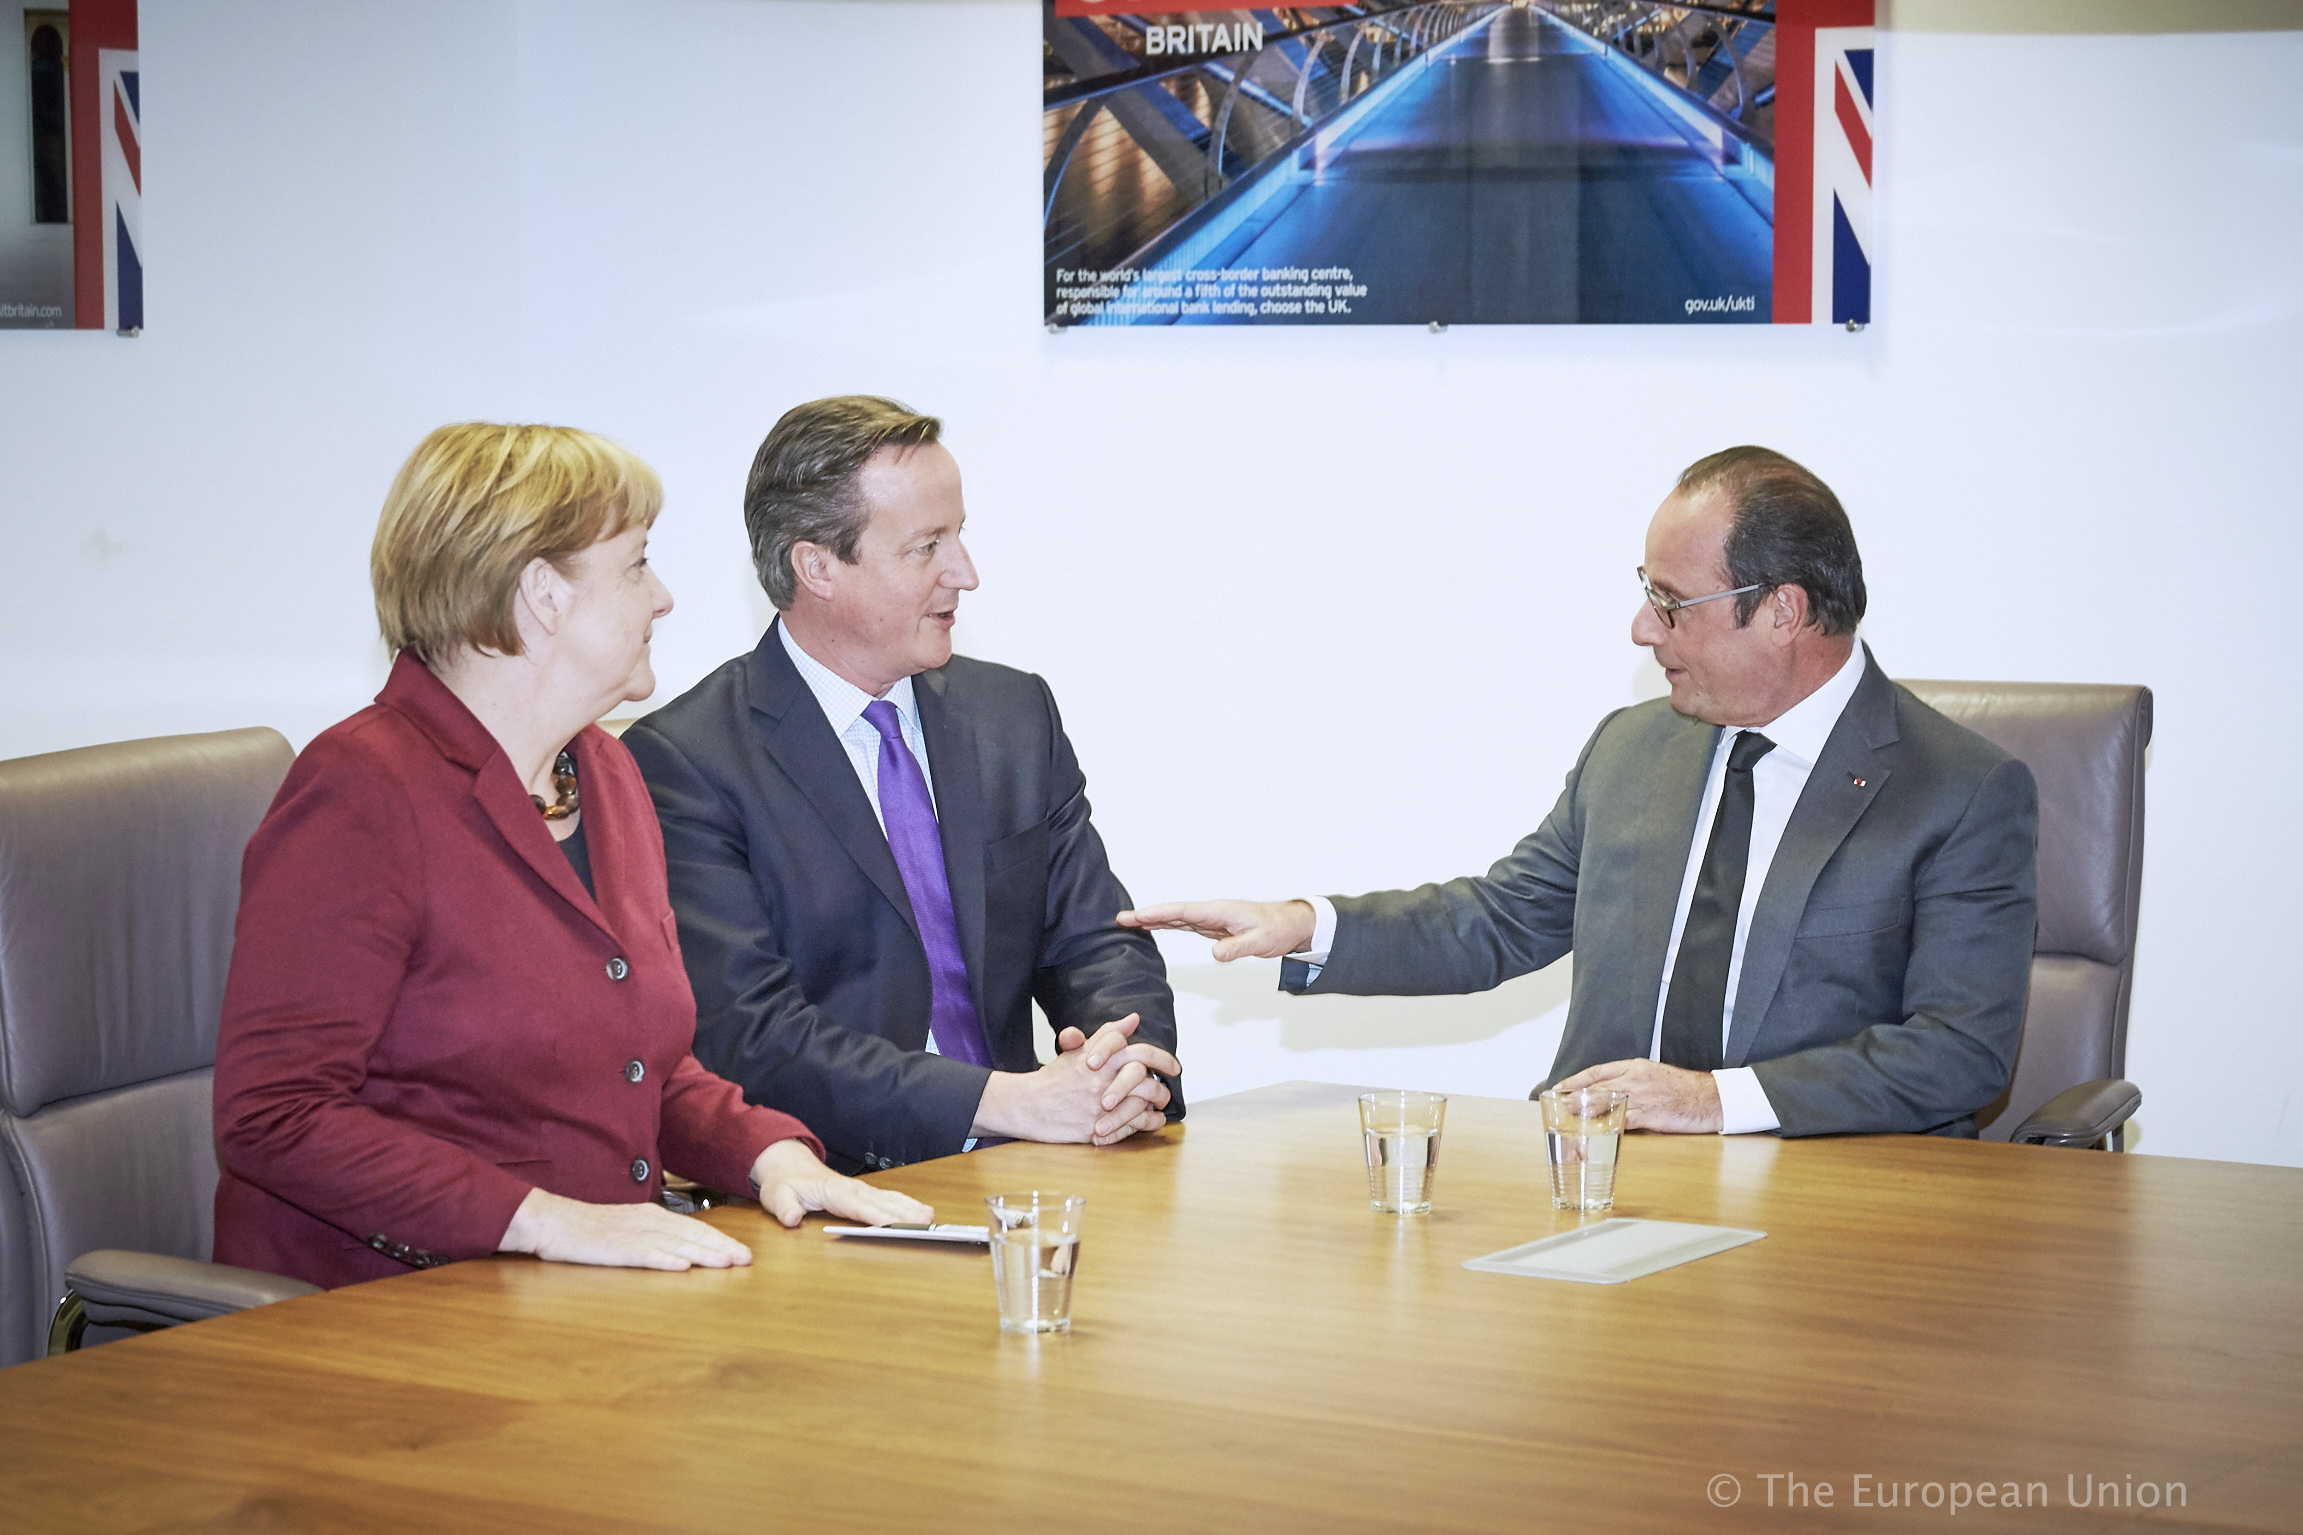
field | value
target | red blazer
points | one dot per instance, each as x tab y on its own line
427	1015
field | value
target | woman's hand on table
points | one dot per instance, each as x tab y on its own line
637	1236
793	1182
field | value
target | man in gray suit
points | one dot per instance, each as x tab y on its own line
1799	899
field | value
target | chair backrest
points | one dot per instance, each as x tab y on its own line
119	880
2084	744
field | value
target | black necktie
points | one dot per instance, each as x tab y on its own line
1694	1013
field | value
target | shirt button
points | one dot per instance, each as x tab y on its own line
617	969
639	1169
633	1071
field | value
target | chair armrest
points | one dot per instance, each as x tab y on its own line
125	1289
2080	1116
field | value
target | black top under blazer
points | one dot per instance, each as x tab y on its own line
811	982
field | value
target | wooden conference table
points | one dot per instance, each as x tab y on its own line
1255	1350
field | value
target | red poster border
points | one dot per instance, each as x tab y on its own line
1795	211
95	25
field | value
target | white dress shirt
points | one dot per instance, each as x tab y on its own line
844	704
1776	782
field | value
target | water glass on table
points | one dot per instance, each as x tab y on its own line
1035	1256
1582	1131
1402	1135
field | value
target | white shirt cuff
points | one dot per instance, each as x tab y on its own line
970	1143
1743	1105
1322	932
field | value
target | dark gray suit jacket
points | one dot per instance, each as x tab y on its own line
1889	957
811	982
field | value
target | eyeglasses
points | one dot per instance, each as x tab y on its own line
1667	608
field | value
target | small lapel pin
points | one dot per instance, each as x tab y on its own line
1861	783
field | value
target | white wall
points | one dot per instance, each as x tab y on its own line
1327	610
332	268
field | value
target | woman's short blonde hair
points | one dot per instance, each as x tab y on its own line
472	506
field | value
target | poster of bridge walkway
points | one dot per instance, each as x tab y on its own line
1458	162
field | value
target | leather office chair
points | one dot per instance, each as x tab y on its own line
2084	744
119	880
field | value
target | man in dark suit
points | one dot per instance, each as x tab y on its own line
1799	899
880	853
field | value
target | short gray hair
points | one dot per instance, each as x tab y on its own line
803	486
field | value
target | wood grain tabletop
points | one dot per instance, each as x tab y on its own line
1254	1349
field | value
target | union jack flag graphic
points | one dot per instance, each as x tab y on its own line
123	189
107	168
1823	115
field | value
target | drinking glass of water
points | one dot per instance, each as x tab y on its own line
1582	1130
1402	1134
1035	1256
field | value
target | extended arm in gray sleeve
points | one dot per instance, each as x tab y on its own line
1466	935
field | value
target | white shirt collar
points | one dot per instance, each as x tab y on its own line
843	702
1802	729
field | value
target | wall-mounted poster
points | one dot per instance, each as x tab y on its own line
71	168
1457	161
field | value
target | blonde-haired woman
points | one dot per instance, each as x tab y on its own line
457	1022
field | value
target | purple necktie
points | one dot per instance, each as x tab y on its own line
911	821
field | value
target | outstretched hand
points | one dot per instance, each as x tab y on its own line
1261	929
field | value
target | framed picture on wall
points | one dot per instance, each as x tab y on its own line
71	168
1457	161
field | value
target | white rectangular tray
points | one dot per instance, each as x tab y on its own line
1612	1251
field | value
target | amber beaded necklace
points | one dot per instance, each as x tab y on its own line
563	780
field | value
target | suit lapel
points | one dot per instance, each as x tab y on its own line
609	839
799	740
457	734
1668	815
1853	768
959	794
509	806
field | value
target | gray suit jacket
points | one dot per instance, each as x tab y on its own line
1889	957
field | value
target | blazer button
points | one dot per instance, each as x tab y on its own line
634	1071
639	1169
617	969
